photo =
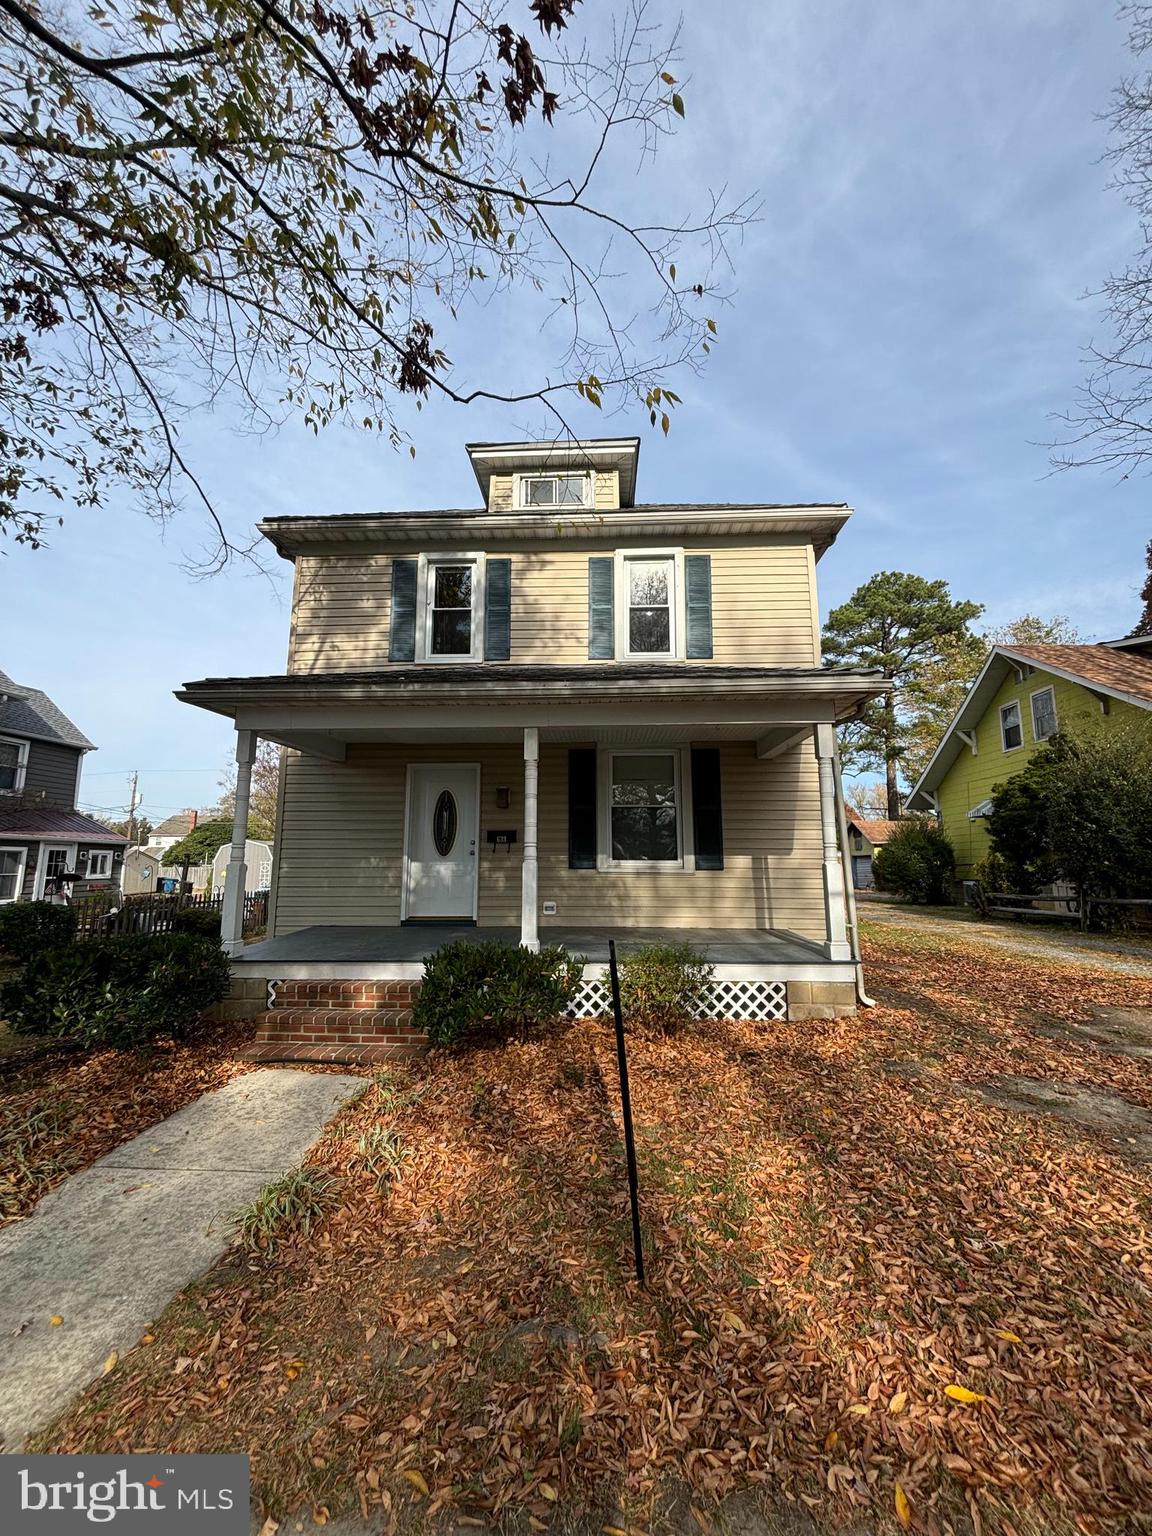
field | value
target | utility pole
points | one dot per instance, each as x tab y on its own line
133	802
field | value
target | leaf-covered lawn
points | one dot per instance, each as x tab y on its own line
870	1292
59	1113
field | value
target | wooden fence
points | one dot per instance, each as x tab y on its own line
156	912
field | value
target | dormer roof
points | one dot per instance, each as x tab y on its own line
592	453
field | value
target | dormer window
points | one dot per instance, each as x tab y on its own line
555	490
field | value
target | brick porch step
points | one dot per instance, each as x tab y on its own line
337	1026
345	994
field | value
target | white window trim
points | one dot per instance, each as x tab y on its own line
22	854
42	863
424	590
99	853
685	840
1032	697
675	605
1012	704
521	481
21	763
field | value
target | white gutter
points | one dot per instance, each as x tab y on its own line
849	885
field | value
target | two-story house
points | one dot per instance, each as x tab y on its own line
1022	696
43	837
561	716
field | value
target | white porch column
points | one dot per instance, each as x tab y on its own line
235	876
835	899
529	934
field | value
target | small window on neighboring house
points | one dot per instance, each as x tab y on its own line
650	606
13	755
554	490
451	593
11	873
1011	731
643	808
100	865
1044	714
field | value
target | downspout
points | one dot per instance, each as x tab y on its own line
849	885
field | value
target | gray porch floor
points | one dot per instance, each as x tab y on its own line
722	946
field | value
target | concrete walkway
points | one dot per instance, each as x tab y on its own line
109	1248
1063	945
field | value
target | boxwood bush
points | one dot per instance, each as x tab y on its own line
917	862
29	927
489	991
118	992
662	986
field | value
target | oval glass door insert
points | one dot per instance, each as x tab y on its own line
444	823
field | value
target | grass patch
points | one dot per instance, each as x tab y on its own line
286	1208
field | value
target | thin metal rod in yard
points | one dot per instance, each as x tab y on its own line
626	1110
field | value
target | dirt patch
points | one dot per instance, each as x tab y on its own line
1090	1108
1115	1031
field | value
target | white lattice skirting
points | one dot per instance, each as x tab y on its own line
759	1001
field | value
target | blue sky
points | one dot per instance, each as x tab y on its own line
908	315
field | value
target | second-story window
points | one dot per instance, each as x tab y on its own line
12	760
1011	731
554	491
1044	714
451	596
649	589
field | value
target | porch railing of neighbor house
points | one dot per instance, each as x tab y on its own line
156	911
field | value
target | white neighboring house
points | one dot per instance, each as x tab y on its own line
257	857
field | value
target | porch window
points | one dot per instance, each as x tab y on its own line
13	755
451	608
1011	730
99	864
555	491
11	873
643	808
650	606
1044	714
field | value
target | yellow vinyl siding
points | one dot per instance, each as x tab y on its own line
972	778
339	857
762	607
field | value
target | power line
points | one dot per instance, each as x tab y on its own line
103	773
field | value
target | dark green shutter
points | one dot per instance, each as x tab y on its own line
698	592
402	630
582	808
497	610
707	814
601	615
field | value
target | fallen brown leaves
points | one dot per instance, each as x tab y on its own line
866	1291
61	1112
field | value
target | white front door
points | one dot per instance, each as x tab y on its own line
442	825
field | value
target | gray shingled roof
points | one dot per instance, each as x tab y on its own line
28	711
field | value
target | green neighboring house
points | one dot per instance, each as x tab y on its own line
1023	695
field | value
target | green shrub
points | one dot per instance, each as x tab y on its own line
204	921
917	862
662	986
29	927
997	877
492	991
117	992
290	1206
